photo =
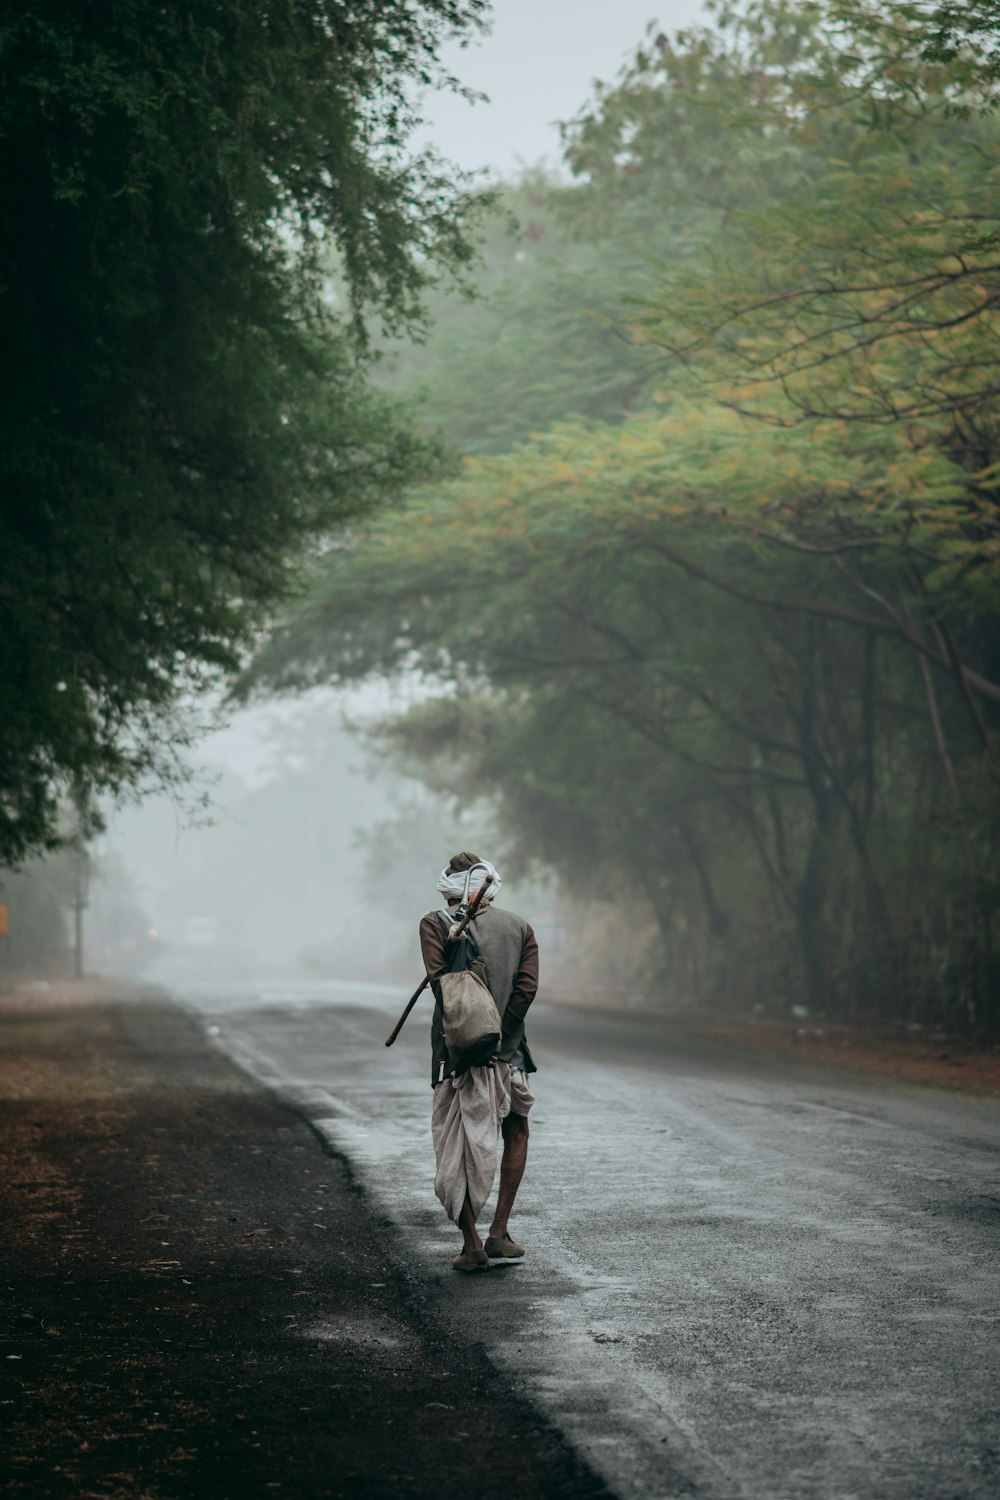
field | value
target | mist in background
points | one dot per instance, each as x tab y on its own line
315	858
311	860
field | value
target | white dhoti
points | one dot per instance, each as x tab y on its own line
466	1117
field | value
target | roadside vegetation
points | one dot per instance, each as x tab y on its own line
712	610
186	406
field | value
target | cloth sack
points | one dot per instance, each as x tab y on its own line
472	1025
472	1029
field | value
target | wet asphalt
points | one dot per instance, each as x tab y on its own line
745	1277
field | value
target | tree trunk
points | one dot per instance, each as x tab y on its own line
809	912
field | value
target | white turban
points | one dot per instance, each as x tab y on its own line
464	883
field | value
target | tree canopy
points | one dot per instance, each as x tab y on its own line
185	405
730	644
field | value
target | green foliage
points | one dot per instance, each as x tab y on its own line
734	650
544	339
870	295
183	409
906	50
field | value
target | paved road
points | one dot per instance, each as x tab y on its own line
746	1278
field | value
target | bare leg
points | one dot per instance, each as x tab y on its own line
467	1224
515	1154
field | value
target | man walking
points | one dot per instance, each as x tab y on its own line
472	1108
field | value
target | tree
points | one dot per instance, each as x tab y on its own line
733	650
542	340
184	409
660	702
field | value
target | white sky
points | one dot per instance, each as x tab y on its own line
537	66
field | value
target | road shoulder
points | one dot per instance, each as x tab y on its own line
201	1301
905	1053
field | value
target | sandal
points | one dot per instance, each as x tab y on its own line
501	1246
472	1260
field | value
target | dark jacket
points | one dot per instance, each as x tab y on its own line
510	953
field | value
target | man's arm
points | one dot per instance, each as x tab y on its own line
525	982
432	947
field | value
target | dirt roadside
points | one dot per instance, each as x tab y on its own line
199	1301
907	1053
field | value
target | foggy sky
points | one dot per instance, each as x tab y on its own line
537	66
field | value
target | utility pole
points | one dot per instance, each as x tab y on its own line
80	872
5	959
